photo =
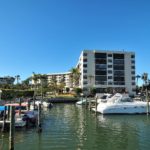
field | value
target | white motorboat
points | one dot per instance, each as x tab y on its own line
46	104
81	102
122	104
19	121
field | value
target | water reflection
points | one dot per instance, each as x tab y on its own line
71	127
129	131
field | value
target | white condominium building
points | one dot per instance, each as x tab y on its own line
60	77
107	69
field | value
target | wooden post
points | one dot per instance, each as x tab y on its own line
39	127
8	112
90	104
4	120
147	102
19	106
34	103
86	102
28	105
12	128
96	106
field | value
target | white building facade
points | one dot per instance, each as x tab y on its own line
60	77
107	69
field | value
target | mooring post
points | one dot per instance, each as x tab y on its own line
8	112
147	102
39	127
12	128
86	104
96	105
19	106
90	104
4	120
28	104
33	102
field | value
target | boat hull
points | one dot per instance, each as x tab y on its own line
127	108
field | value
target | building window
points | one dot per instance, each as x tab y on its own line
132	56
110	83
133	83
100	66
100	55
119	79
100	72
84	71
84	65
109	71
119	73
100	78
109	77
85	60
84	77
133	61
109	55
118	67
109	60
84	54
109	66
119	61
118	56
100	61
85	82
132	72
133	78
132	67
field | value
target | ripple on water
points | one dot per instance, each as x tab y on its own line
68	127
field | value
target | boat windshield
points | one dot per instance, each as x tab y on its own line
104	97
126	99
114	99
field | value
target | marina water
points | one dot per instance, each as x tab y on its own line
72	127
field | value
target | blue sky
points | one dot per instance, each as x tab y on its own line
45	36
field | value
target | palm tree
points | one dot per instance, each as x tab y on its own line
145	80
145	77
62	84
137	78
42	78
17	78
75	76
26	82
53	84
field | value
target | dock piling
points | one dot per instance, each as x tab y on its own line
19	106
90	104
39	127
96	106
12	128
4	120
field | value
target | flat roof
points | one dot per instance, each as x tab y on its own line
61	73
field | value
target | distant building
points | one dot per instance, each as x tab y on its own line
58	77
107	69
7	80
